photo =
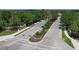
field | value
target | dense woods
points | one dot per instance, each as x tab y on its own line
70	22
16	19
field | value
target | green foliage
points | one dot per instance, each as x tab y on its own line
70	20
14	18
17	18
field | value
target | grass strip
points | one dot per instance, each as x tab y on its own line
3	33
67	40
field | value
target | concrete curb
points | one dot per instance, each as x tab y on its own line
20	31
72	40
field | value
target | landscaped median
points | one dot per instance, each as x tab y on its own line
67	39
39	35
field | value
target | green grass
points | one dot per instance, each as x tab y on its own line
67	40
3	33
6	33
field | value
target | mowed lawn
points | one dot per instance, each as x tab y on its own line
6	33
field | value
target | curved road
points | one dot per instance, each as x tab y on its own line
53	37
21	41
51	40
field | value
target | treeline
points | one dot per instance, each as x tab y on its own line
70	21
14	19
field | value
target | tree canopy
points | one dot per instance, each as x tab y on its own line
70	20
16	18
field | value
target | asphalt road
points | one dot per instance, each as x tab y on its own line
53	37
22	41
51	40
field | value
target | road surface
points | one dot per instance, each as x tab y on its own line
53	37
21	41
51	40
